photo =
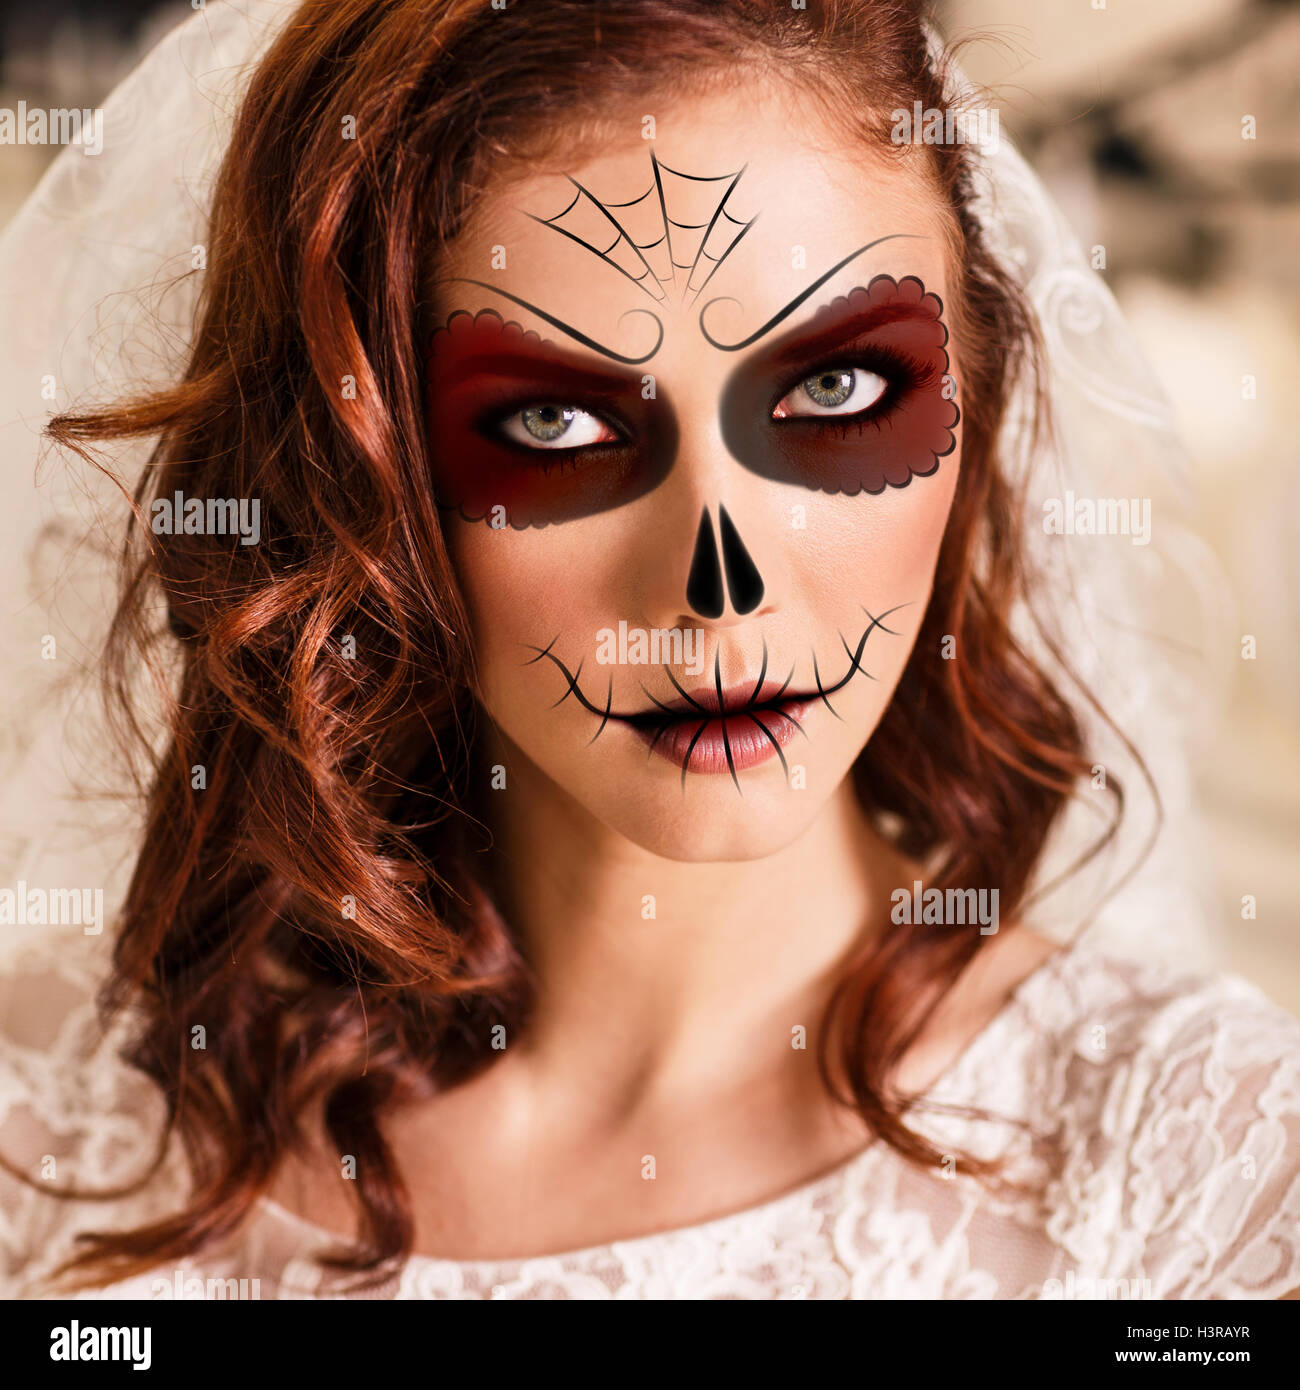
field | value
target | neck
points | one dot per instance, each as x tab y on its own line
672	973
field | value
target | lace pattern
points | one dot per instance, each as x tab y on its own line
1173	1100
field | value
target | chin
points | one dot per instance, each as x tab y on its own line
710	820
711	834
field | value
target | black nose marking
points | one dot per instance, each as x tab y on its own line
744	582
704	583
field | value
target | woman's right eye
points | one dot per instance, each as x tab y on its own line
556	426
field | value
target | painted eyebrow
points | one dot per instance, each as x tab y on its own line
828	330
568	328
535	357
785	312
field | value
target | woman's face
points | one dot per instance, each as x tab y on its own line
694	428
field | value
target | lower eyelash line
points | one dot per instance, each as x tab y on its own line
841	427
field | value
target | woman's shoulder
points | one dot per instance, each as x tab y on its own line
1177	1095
73	1115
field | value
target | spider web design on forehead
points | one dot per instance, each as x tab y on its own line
683	243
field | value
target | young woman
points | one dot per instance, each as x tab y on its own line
603	778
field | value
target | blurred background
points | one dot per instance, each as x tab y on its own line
1133	115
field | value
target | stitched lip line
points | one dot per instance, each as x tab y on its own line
686	707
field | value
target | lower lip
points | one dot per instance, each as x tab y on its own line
748	744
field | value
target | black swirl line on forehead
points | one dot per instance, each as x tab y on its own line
784	313
568	328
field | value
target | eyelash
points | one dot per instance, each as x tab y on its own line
552	460
901	372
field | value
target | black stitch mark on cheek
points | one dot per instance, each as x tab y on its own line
690	714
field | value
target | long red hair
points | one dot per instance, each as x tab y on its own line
314	902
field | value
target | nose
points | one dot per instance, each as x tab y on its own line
719	573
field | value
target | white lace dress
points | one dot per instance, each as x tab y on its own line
1175	1098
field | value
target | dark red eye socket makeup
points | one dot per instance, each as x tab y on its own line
892	328
482	371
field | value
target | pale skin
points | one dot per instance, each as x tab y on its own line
670	1036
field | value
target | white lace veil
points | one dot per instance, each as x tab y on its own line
96	299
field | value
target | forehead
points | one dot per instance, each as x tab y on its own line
745	198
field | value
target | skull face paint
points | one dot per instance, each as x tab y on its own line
802	591
705	593
599	443
886	346
499	442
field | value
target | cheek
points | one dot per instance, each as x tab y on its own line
522	589
877	551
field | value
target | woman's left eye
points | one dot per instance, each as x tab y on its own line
556	426
836	391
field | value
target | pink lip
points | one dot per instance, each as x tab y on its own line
740	733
